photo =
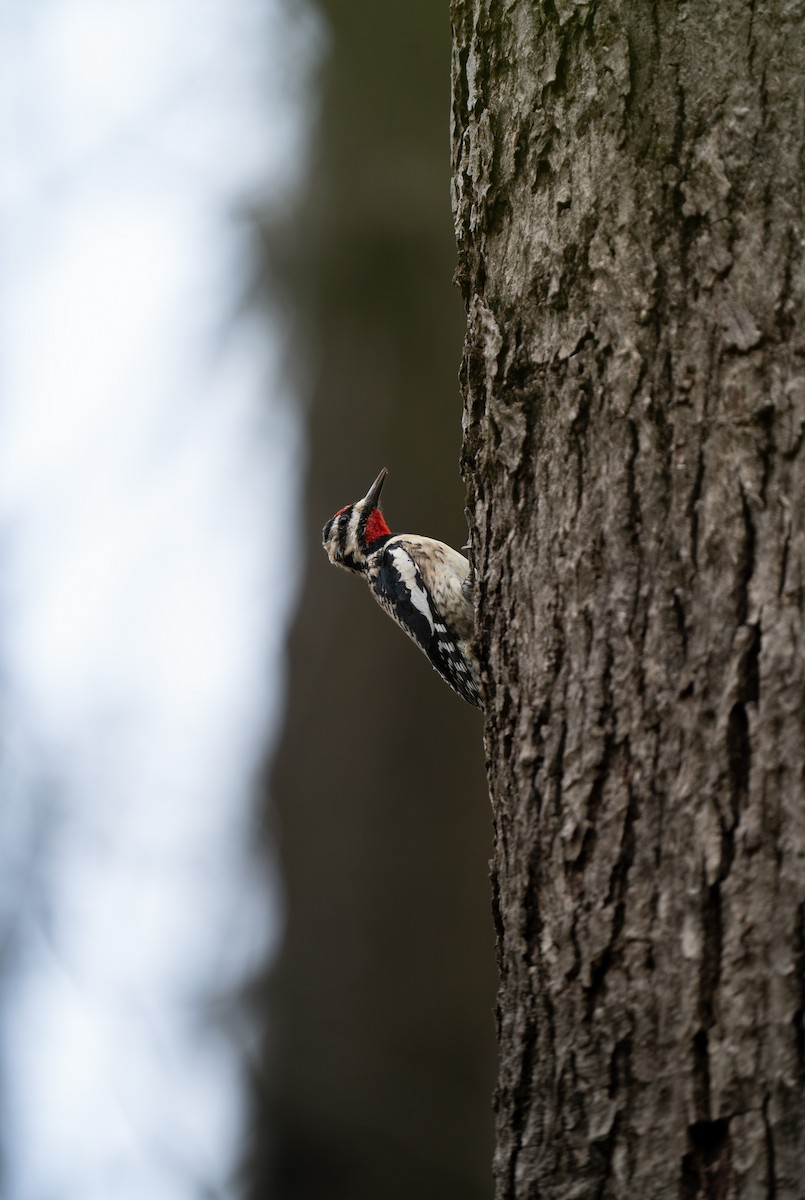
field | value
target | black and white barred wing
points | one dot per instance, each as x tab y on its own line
430	605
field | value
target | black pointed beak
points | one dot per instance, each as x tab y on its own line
372	497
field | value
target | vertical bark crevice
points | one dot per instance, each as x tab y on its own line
798	1019
771	1173
706	1168
522	1099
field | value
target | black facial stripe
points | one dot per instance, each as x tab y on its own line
336	532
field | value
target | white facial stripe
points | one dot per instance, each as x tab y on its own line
352	530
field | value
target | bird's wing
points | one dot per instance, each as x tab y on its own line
399	587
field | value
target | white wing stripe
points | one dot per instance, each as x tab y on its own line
410	577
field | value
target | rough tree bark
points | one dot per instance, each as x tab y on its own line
628	202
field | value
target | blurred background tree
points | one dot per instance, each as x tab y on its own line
379	1072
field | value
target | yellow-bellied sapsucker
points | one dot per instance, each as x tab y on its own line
423	584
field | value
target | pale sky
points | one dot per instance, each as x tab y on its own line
151	459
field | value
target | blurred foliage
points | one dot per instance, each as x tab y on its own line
379	1073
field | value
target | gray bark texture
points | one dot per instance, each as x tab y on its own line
628	182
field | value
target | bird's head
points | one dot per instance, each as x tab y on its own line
353	532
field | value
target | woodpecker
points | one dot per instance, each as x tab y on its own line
424	585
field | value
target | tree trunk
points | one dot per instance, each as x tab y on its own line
628	202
